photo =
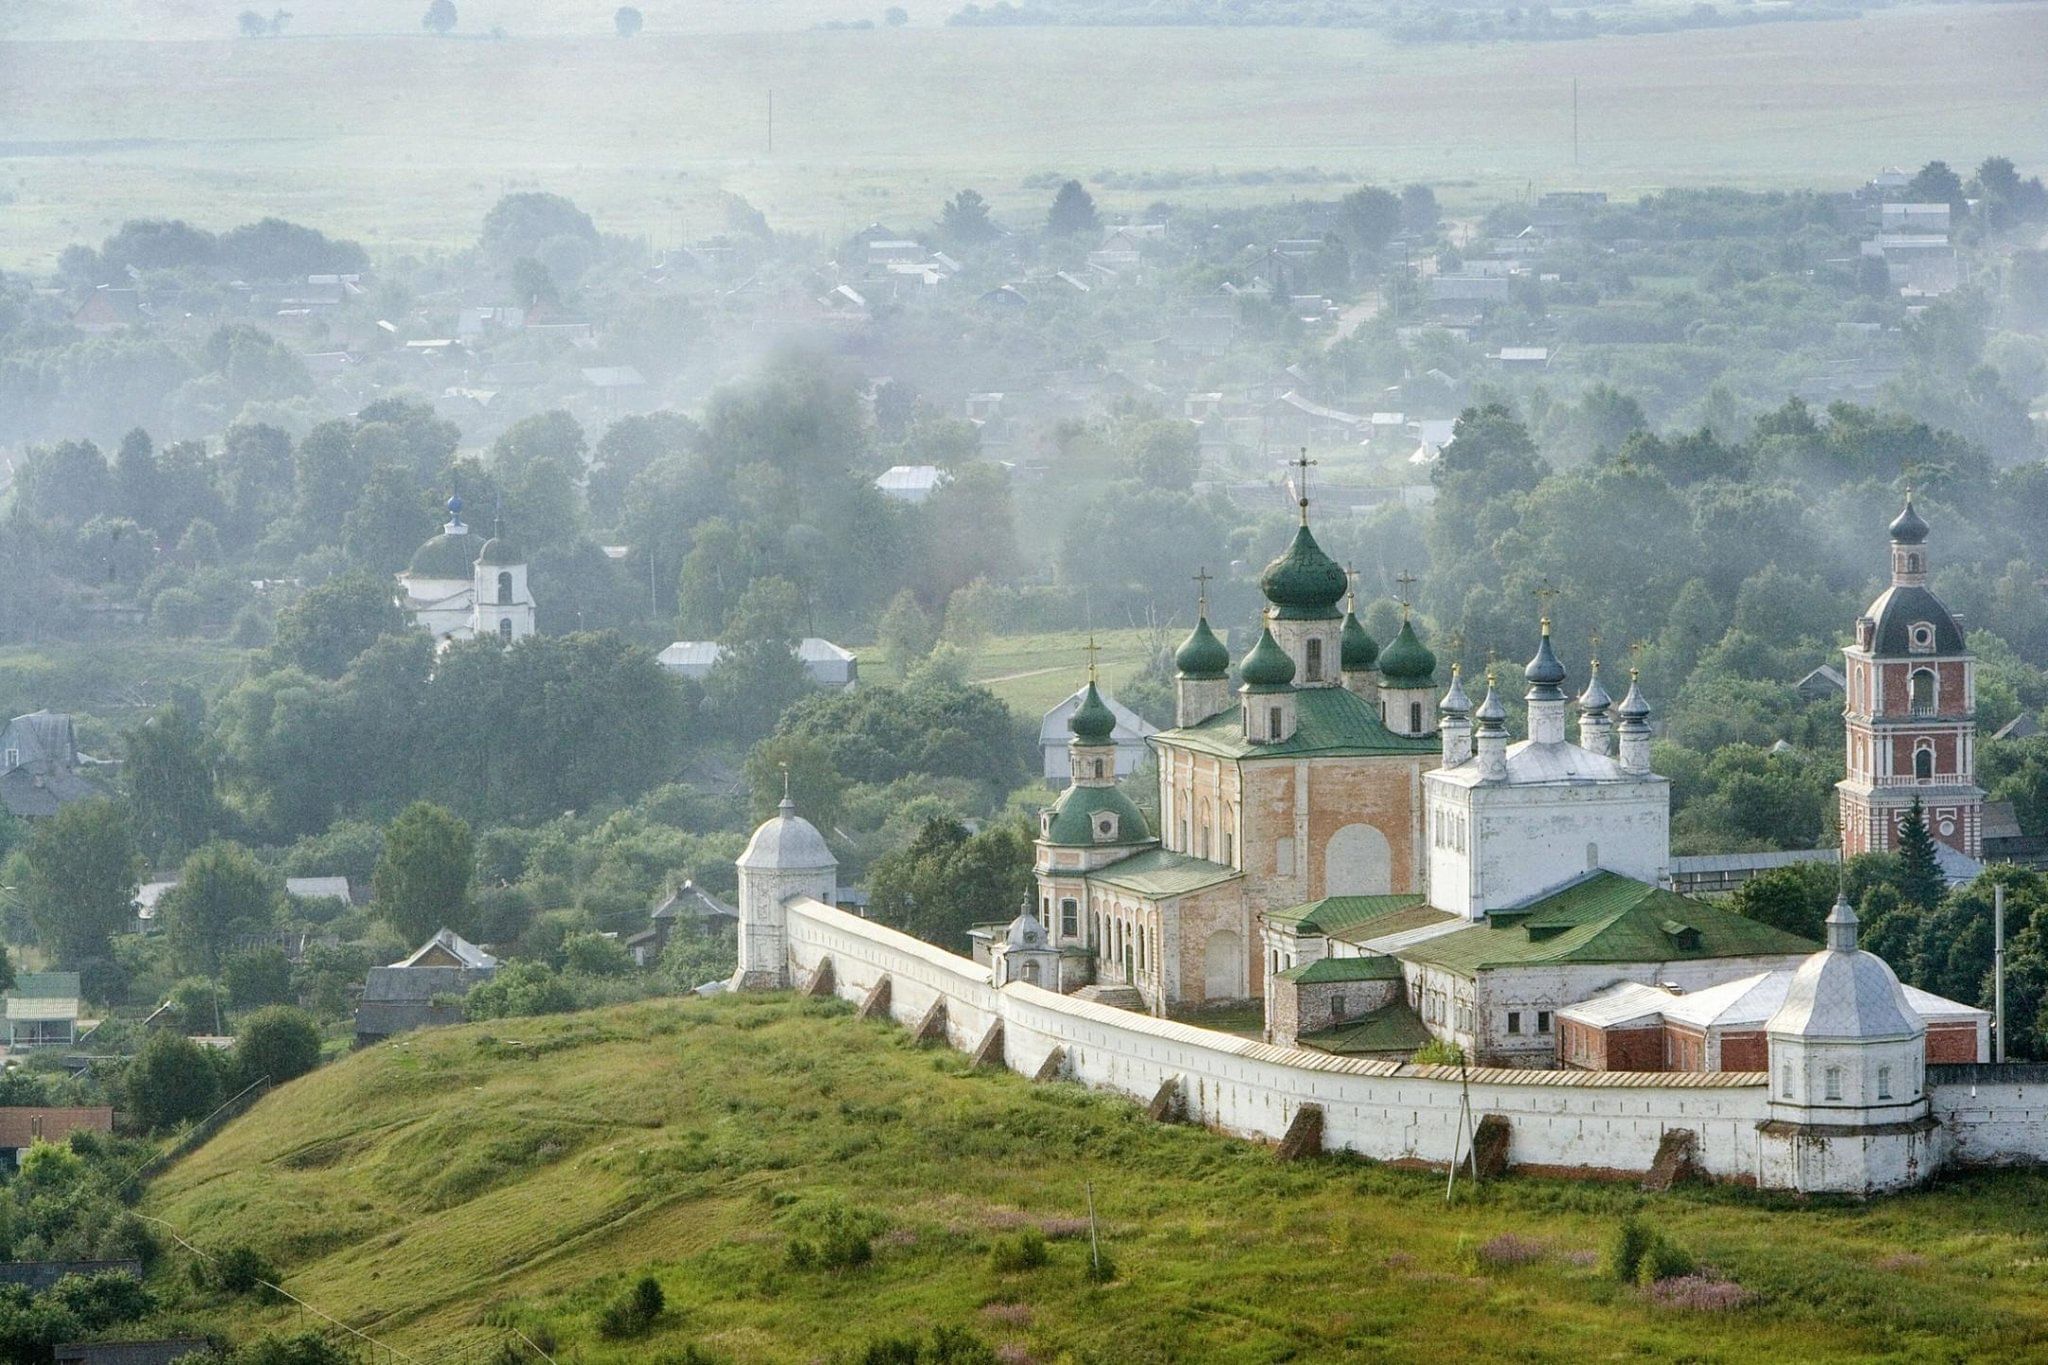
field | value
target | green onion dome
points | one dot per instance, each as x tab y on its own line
1908	528
1359	650
1202	655
498	551
1267	668
1407	662
1304	583
1092	722
447	555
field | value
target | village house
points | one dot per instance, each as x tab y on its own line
825	664
22	1126
41	769
425	990
42	1010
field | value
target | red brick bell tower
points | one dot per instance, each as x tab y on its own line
1911	712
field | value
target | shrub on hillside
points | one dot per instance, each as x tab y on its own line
633	1312
945	1346
171	1081
1642	1255
519	990
830	1235
1022	1250
237	1270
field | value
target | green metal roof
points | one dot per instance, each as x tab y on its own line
1407	662
1202	655
1359	651
1159	874
1329	722
1303	582
1374	968
1342	912
1605	917
45	986
446	556
1092	722
1073	818
1267	667
1391	1030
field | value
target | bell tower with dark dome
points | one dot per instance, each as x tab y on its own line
1911	712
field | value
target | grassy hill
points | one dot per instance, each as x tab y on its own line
439	1190
404	141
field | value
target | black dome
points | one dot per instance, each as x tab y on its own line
1907	527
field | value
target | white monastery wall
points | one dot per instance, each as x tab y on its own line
1993	1115
1563	1121
1494	846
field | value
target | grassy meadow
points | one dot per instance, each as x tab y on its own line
440	1190
359	123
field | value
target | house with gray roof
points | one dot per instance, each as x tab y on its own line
40	766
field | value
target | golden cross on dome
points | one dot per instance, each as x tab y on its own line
1092	650
1407	581
1351	580
1202	580
1301	489
1546	594
784	765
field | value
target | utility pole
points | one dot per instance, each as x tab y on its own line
771	123
1998	971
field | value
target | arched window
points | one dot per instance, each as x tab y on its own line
1273	723
505	588
1070	918
505	629
1923	762
1314	670
1414	717
1833	1082
1592	856
1098	770
1923	692
1884	1082
1912	563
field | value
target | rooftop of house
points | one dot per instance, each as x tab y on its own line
1335	969
1330	722
23	1125
1389	1031
449	949
1159	874
1747	1003
1605	917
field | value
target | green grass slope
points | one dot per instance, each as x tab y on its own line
437	1190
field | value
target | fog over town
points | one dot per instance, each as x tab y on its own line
1061	682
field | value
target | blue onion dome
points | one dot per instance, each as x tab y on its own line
1267	668
1634	708
1544	672
1491	714
1304	583
1092	722
1907	527
1407	662
1594	701
1358	651
1202	655
1455	702
455	505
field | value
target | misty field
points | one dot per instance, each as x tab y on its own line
404	140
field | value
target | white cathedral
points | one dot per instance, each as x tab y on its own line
462	587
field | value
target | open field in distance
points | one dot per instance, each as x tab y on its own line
405	140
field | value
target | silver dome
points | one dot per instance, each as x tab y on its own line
1844	993
787	843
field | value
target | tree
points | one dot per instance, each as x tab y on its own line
1935	183
1920	878
222	893
1371	215
758	675
1073	211
440	17
277	1044
422	882
1419	213
170	785
520	224
253	24
257	977
81	871
906	633
136	485
946	881
382	530
325	630
895	16
519	990
628	21
171	1081
1796	898
1162	453
964	220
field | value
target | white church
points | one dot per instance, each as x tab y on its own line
460	586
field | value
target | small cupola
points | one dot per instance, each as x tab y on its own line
1269	702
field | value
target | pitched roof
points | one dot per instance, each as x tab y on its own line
1160	874
449	949
1605	917
1328	969
49	985
1391	1030
1330	722
1345	912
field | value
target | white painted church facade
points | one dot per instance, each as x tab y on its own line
460	586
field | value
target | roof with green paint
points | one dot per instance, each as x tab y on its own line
1304	583
1328	969
1092	722
1268	668
1342	912
1358	650
1605	917
1202	655
446	556
1159	874
1407	662
1391	1030
1329	723
1073	818
498	551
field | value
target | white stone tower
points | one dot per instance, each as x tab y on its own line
503	607
786	858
